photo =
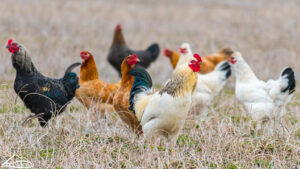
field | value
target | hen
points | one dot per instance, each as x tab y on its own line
262	100
44	96
94	93
210	84
164	112
120	101
119	50
209	62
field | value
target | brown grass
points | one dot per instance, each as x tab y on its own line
266	32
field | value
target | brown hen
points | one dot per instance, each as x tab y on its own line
121	98
94	93
209	62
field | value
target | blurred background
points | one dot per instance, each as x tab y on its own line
267	33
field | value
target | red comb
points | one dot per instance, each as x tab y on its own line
167	52
82	52
198	57
119	27
183	50
9	42
194	65
134	55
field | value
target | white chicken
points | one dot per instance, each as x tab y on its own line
262	100
209	85
186	54
164	112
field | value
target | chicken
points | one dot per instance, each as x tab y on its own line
209	62
163	113
120	100
262	100
210	84
94	93
44	96
173	56
119	50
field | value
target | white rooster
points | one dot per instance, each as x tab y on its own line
262	100
164	112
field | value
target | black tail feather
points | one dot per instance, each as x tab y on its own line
142	82
154	50
226	67
71	67
291	80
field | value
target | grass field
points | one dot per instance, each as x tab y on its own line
267	33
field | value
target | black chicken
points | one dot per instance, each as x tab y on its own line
44	96
119	51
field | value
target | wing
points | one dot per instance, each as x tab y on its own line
54	90
215	81
253	92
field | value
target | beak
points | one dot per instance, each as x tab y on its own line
7	46
138	60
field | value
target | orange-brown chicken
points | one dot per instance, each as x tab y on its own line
209	62
121	98
93	92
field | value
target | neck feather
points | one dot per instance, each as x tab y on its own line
119	38
88	70
22	62
243	72
125	68
174	59
182	82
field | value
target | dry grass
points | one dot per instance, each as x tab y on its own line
266	32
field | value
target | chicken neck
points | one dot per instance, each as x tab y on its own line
88	70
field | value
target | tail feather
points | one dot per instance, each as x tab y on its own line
142	83
154	50
224	67
289	74
71	67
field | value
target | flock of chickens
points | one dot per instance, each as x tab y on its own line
195	81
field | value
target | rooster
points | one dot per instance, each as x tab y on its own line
94	92
163	112
262	100
209	62
119	50
44	96
120	100
210	84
